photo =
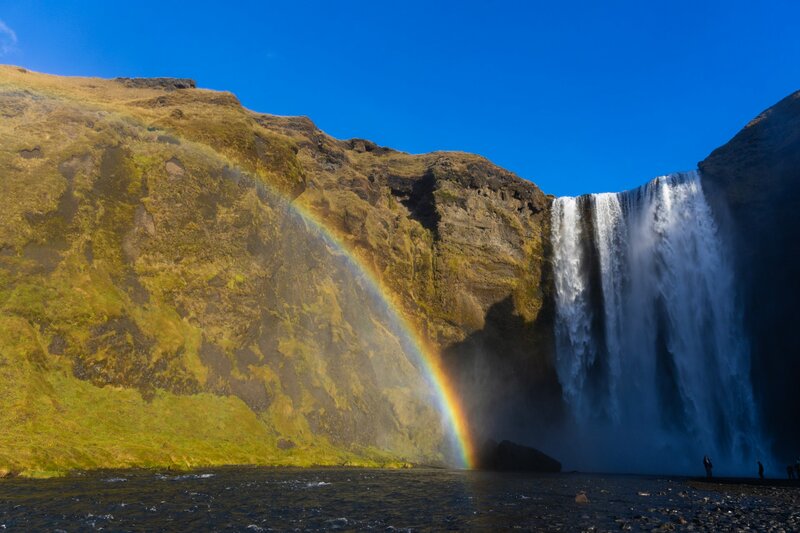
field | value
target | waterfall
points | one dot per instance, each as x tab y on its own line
649	342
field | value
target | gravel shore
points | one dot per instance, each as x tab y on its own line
724	506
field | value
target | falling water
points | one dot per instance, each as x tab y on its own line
648	335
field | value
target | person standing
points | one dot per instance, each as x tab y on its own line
708	466
760	470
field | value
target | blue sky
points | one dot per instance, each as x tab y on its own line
575	96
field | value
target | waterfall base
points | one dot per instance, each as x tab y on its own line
650	352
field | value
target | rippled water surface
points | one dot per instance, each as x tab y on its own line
260	499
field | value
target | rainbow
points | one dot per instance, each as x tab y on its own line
427	357
448	400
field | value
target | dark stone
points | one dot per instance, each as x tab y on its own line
246	357
138	292
114	178
417	192
285	444
511	456
168	139
215	359
252	392
57	345
174	168
67	205
167	84
31	153
47	256
417	196
483	174
88	252
363	145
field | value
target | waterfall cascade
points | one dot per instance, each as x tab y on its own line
650	351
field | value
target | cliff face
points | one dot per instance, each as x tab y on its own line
464	247
170	293
165	300
754	184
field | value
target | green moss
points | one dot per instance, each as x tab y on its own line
54	423
138	324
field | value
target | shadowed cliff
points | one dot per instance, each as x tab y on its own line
754	184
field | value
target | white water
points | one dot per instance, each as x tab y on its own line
648	335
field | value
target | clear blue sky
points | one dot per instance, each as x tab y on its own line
576	96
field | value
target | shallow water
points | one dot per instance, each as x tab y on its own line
262	499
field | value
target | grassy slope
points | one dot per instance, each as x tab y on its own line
94	375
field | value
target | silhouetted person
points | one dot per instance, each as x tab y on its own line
790	472
797	469
707	464
760	470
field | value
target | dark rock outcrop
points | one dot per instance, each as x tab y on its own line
167	84
509	456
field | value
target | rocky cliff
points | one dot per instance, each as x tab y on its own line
166	297
754	184
463	246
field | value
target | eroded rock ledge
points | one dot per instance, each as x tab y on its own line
167	84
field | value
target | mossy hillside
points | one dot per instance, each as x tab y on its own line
153	265
55	422
144	249
364	193
140	256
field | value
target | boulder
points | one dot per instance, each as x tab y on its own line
509	456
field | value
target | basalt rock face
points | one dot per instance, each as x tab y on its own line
753	183
168	84
463	246
509	456
167	298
